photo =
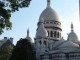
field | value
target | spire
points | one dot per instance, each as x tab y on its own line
48	3
28	32
72	27
41	22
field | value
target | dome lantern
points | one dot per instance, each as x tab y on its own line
48	3
72	27
28	32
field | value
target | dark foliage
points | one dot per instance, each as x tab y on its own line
5	53
23	51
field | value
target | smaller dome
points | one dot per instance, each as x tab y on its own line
28	38
72	36
41	32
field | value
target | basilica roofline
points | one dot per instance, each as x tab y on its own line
60	51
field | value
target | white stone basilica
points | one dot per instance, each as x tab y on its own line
48	43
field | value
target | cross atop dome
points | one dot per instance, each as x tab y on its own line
48	3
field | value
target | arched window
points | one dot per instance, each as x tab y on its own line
47	22
48	33
40	42
51	33
44	22
54	33
54	22
45	42
58	34
51	22
35	42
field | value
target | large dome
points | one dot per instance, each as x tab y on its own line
49	14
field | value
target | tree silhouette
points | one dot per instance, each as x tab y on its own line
23	51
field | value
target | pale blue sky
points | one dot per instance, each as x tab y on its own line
68	11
